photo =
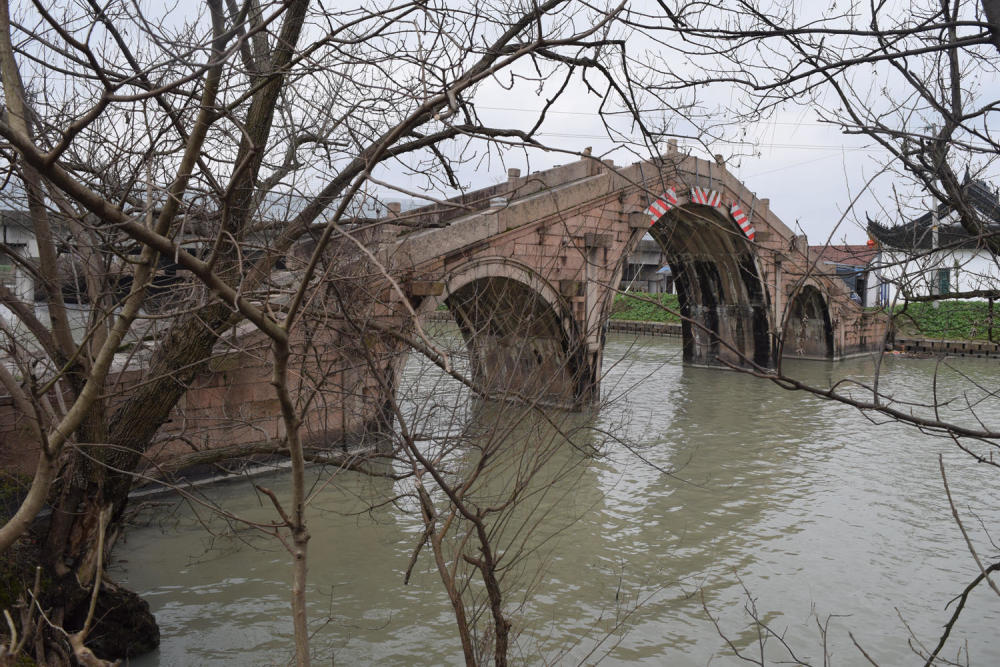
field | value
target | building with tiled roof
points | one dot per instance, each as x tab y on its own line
935	254
843	255
918	234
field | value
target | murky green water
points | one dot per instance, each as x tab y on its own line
731	489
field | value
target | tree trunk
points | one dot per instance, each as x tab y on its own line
96	477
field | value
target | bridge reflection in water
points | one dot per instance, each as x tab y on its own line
812	507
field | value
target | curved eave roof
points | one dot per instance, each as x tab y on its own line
917	234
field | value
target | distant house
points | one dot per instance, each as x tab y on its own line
17	237
934	254
646	269
853	265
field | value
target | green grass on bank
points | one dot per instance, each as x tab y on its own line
951	320
636	307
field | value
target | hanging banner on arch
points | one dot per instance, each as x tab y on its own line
740	218
705	196
661	205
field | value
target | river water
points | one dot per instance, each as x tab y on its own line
716	493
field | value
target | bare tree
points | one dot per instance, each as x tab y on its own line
201	185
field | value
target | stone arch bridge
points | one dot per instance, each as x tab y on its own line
530	273
528	268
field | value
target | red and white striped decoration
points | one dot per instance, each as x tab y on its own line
741	219
661	206
705	196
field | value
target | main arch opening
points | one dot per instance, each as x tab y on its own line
722	298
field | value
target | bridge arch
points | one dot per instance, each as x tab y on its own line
519	331
722	297
808	330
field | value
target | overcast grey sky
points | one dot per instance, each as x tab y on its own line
809	170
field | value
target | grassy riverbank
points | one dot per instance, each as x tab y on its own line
951	320
638	307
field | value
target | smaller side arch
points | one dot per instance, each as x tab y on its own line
519	331
808	331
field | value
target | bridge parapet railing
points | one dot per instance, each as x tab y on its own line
515	187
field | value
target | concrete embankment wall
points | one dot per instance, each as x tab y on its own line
926	347
645	328
923	347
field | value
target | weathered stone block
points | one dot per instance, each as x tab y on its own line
524	250
594	240
226	362
571	261
638	220
264	409
425	288
206	398
248	392
572	288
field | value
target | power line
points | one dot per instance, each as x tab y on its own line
749	144
592	113
788	166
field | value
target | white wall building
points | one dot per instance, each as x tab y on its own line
934	254
18	239
646	269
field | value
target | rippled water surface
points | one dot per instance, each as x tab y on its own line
718	492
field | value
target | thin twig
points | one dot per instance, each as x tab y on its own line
870	660
958	611
958	520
